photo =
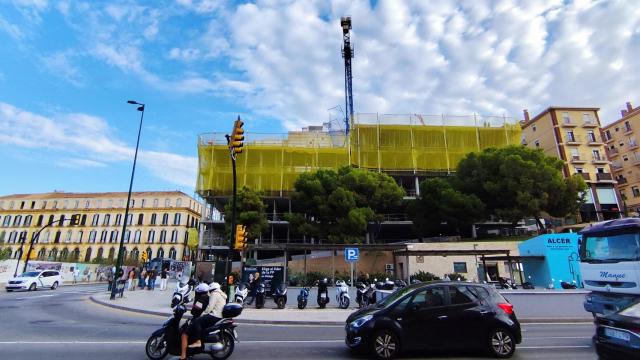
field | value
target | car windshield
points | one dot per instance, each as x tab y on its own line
611	248
30	274
632	311
394	296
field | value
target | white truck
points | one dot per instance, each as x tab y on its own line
610	265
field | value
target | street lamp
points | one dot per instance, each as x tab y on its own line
126	212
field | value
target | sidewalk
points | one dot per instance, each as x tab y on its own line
157	302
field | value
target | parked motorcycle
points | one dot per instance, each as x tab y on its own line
280	296
506	283
527	285
342	294
167	339
323	293
260	296
400	284
361	291
568	285
241	293
303	298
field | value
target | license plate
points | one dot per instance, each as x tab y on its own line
323	295
617	334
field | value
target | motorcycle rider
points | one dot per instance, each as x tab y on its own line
211	315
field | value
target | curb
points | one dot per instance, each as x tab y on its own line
332	323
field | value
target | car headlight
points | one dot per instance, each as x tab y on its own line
19	281
361	321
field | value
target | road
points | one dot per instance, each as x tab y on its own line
64	324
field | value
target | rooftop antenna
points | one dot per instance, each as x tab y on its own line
347	55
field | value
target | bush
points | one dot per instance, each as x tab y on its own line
456	277
424	276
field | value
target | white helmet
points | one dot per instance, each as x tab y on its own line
214	286
202	288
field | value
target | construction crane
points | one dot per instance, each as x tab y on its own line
347	55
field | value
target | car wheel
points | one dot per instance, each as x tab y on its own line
385	345
33	287
501	343
54	286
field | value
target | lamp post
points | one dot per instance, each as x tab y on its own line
126	212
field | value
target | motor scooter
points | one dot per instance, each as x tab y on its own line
182	293
568	285
342	294
241	293
303	298
323	293
361	291
260	295
167	339
280	296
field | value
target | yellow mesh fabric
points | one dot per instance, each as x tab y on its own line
395	148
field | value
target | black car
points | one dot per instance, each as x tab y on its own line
435	316
618	334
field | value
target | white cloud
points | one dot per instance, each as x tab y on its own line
59	64
11	29
202	6
90	136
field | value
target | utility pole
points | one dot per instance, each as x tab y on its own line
235	142
347	55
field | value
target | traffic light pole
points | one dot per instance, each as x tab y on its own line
233	223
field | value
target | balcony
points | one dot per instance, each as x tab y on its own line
592	140
573	140
585	176
589	124
627	130
599	159
608	139
633	145
577	159
622	182
611	153
615	166
566	122
605	177
635	160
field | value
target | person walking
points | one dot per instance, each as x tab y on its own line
130	276
163	279
143	278
134	284
152	279
76	274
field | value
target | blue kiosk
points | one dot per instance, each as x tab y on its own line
551	258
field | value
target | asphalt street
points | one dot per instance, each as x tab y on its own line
64	324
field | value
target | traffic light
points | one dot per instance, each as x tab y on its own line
144	256
241	238
75	220
237	137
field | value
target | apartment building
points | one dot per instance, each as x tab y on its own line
157	224
573	135
621	139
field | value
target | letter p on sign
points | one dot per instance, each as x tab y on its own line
351	254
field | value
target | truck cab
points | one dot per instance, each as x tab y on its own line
610	264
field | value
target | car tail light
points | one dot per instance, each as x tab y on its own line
507	308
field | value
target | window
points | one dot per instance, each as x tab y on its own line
67	239
100	253
575	154
160	253
140	219
103	236
61	220
533	128
172	253
45	238
114	236
627	126
591	136
127	236
586	118
22	205
167	202
55	204
56	239
136	236
92	236
165	219
151	236
76	204
83	221
12	237
135	254
11	205
596	155
129	219
607	135
33	205
566	118
537	143
176	219
579	170
163	236
178	202
625	157
132	203
50	220
142	202
623	247
460	267
96	220
430	297
79	238
112	253
460	295
118	220
7	221
570	136
635	191
17	220
155	203
106	220
153	219
65	204
86	204
174	236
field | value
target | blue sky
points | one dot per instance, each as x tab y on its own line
68	67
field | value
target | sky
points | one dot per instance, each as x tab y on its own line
67	69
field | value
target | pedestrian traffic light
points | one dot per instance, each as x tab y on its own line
144	257
241	238
237	137
75	220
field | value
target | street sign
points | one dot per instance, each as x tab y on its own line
351	254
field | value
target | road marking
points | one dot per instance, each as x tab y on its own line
35	297
144	342
553	347
556	337
558	323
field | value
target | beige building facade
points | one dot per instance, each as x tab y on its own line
573	135
157	224
621	138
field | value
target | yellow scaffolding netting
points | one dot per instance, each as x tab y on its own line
272	162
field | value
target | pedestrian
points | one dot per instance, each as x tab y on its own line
76	274
163	279
152	279
134	284
130	276
89	276
143	278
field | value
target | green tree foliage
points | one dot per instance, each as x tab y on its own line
441	209
336	206
424	276
518	182
4	253
250	212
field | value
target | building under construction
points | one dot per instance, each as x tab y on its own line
410	148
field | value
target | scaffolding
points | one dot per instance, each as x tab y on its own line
396	144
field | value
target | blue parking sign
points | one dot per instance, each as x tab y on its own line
351	254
